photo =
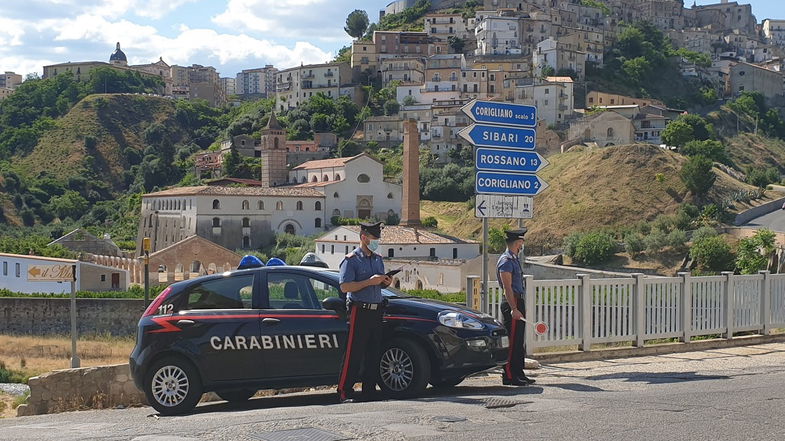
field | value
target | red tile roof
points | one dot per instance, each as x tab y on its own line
326	163
401	235
237	191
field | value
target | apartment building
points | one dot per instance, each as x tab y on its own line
296	85
553	97
407	70
10	80
444	26
559	56
256	83
774	31
498	34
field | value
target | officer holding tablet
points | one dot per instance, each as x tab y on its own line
362	278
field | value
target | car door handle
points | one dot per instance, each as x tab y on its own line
270	321
185	323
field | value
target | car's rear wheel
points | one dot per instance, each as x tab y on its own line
446	383
404	368
236	396
172	386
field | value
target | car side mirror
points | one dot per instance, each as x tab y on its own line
335	304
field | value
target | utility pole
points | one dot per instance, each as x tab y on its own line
146	248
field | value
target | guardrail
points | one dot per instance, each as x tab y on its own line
586	311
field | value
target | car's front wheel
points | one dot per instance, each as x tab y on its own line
404	368
172	386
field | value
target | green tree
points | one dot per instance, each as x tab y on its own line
697	175
456	44
497	239
712	254
633	244
71	204
356	23
391	107
677	133
637	69
409	100
232	162
711	149
754	252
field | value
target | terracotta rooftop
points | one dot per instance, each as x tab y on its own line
400	235
206	190
326	163
559	79
251	182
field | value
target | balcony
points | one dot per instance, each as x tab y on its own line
308	75
329	74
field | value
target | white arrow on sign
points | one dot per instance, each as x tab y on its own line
501	206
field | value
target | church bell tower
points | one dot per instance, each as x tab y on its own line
274	171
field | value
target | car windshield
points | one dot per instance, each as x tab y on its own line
388	292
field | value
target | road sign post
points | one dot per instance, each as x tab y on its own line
506	163
74	357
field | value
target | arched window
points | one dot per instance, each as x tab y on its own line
317	206
610	132
335	195
246	205
318	222
337	177
314	179
260	205
389	195
289	229
216	222
325	178
363	178
246	242
336	212
279	205
216	204
246	222
275	143
303	180
299	205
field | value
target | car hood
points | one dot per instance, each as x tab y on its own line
429	308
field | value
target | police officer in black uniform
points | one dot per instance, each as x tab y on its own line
510	277
362	277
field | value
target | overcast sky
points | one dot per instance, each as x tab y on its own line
230	34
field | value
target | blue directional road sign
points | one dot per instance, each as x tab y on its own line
509	160
508	183
493	112
482	135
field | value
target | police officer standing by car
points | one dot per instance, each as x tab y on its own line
362	277
510	277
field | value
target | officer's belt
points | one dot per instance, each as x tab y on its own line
362	305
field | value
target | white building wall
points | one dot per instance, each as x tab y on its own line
13	275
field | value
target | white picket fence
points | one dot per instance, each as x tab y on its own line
586	311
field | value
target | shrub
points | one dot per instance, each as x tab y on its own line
664	223
430	222
754	252
595	248
712	254
571	243
677	239
655	241
703	233
633	244
458	297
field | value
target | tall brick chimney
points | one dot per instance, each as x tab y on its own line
410	201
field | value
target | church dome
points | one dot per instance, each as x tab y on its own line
118	55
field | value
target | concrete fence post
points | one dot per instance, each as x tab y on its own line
470	294
729	303
639	311
529	315
686	307
585	311
765	303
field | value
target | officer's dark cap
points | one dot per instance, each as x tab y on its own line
514	235
374	230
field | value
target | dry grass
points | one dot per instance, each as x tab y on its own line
36	355
592	189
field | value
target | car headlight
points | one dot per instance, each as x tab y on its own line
454	319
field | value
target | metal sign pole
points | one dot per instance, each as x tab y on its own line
484	292
74	357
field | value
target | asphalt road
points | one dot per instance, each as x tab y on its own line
725	394
774	221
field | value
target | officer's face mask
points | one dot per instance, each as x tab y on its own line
373	245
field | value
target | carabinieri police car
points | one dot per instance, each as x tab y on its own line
285	326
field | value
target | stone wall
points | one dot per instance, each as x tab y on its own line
46	316
752	213
67	390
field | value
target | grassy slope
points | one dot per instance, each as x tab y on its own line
591	189
756	151
118	125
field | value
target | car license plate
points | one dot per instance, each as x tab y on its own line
505	341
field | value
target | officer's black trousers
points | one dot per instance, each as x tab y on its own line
514	367
363	350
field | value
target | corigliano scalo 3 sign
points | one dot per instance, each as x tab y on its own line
492	112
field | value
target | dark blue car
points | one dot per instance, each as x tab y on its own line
285	326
